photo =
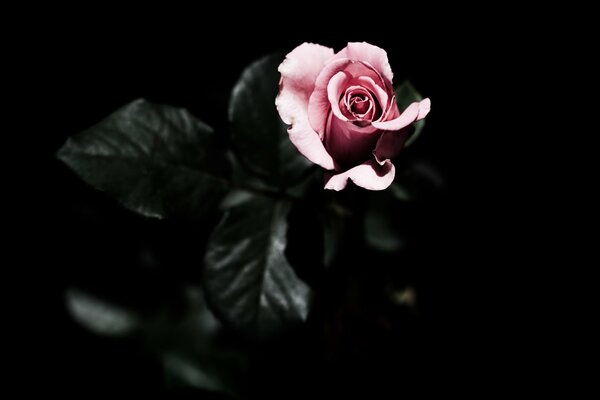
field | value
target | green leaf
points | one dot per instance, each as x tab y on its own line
258	135
182	371
99	316
249	282
405	95
244	179
157	160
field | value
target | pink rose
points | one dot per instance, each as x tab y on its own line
342	112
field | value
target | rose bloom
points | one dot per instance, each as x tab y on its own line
342	112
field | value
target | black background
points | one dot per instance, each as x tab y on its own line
463	262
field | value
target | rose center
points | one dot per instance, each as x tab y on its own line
359	105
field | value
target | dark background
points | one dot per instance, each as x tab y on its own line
461	262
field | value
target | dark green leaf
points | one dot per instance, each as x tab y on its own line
184	371
242	178
155	159
258	134
248	280
405	95
99	316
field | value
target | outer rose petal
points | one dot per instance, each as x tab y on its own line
318	104
369	175
348	144
390	144
413	113
375	56
391	141
299	72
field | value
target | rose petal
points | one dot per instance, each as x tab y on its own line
353	91
361	106
424	108
378	91
299	71
373	55
335	87
414	112
392	112
390	143
369	175
362	68
318	104
349	144
302	66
